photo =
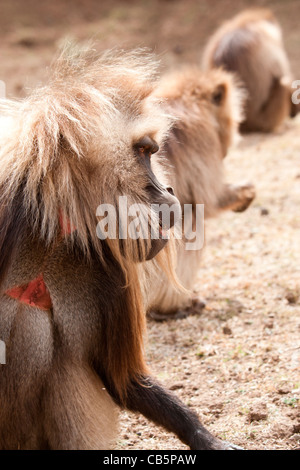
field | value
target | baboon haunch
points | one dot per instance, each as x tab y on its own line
207	107
251	45
71	311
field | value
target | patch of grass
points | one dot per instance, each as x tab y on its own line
244	411
236	353
293	401
200	353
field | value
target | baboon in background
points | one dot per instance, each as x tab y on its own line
71	311
207	107
251	45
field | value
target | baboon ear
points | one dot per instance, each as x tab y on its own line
219	94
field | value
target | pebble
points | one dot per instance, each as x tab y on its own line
264	211
227	330
258	413
283	390
296	428
176	386
291	297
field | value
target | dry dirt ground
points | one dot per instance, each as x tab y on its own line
237	364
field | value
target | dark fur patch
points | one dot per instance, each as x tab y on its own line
233	46
13	224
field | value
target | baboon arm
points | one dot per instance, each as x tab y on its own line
165	409
273	111
236	198
295	109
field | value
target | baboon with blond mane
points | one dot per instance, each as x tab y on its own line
251	45
207	109
71	306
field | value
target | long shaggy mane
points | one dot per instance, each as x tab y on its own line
67	148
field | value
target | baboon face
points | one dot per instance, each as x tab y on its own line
130	167
158	193
151	208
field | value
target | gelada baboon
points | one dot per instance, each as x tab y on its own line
71	307
207	107
251	45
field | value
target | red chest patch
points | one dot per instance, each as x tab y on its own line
35	294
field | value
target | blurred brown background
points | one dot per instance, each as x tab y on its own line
31	30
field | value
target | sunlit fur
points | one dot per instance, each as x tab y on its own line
251	45
208	110
64	150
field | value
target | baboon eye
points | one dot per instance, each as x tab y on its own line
146	147
219	95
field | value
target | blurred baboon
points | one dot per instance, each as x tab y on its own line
71	312
207	107
251	45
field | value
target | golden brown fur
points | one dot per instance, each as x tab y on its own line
207	107
251	45
53	151
84	139
57	156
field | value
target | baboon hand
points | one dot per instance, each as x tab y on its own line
244	196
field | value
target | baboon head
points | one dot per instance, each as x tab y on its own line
208	102
221	95
85	140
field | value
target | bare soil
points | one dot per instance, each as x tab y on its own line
237	363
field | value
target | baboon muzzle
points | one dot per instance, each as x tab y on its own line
168	209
